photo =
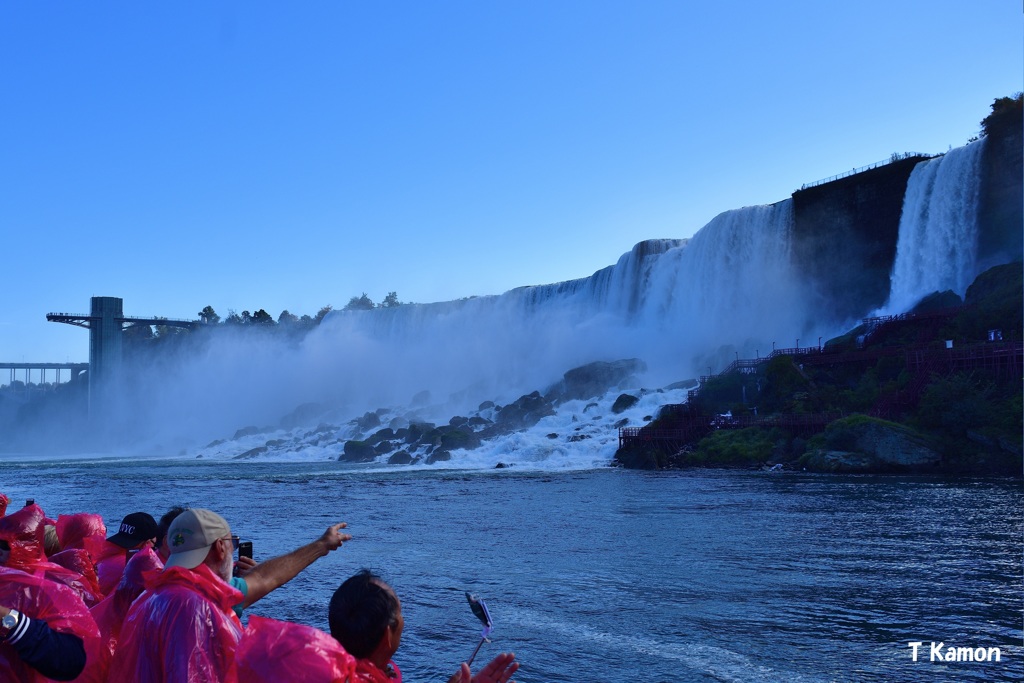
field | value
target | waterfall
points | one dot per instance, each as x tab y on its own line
677	304
685	307
734	284
937	245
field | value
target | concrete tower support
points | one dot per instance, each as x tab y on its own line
105	322
104	347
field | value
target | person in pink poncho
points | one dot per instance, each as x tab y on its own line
21	533
45	628
183	630
111	612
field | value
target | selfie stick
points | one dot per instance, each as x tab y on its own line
483	639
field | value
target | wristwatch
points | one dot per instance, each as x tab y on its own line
8	623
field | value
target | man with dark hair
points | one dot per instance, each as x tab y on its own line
160	544
365	616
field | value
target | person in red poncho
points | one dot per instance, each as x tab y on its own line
183	630
110	614
365	616
45	628
22	534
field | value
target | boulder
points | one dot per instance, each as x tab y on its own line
381	435
416	431
400	458
438	456
867	445
639	458
525	412
251	453
368	421
384	447
357	451
459	438
624	402
594	379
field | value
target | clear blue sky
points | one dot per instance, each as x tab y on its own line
281	156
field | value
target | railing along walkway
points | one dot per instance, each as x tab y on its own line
878	164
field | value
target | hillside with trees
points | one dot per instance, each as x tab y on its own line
934	390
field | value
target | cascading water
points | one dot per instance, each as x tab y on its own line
733	288
684	307
673	303
937	244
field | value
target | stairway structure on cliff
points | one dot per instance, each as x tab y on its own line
682	425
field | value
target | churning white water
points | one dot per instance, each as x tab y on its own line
937	245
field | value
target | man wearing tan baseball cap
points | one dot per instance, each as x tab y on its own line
184	628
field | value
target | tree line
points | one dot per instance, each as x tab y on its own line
208	316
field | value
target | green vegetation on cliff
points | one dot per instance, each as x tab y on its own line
936	390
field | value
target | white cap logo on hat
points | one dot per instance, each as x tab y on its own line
191	535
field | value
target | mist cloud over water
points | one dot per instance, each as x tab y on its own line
679	305
684	307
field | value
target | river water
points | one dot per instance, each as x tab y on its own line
611	575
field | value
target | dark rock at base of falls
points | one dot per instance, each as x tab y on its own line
251	453
438	456
594	379
357	451
624	402
401	458
524	412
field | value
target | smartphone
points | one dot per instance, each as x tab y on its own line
30	501
479	609
132	553
245	549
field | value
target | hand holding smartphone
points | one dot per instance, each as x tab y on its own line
245	549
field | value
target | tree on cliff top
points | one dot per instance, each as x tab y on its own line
1006	112
359	303
209	316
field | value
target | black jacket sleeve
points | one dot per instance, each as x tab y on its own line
60	656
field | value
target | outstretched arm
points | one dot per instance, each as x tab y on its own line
278	571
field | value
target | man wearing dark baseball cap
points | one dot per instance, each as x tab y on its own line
136	529
184	624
